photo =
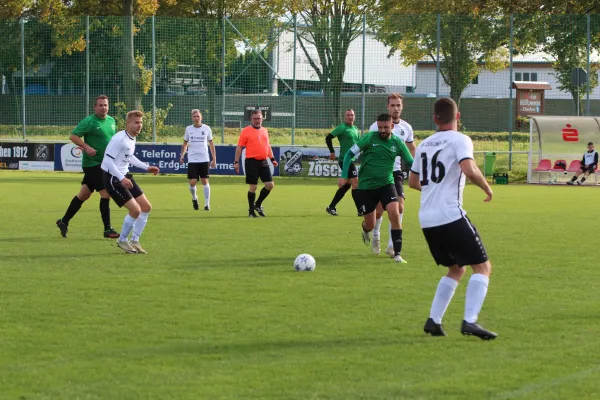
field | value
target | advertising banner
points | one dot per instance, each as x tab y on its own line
308	162
164	156
29	156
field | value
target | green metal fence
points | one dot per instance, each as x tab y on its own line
303	74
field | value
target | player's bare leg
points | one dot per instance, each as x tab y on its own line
367	226
194	192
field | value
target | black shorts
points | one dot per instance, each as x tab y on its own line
399	183
352	172
591	170
369	198
118	192
93	178
456	243
255	169
198	170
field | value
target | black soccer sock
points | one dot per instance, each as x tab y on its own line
583	179
72	210
339	195
251	197
574	178
105	212
397	240
264	192
355	198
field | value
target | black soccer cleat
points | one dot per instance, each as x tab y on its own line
331	211
110	233
206	208
195	204
570	183
259	210
474	329
63	228
252	214
433	329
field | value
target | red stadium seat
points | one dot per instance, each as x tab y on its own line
544	166
559	166
574	166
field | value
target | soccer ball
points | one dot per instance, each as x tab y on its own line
305	262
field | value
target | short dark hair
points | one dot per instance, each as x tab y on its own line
384	117
254	112
101	97
590	144
445	110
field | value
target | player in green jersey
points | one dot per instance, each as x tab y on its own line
378	151
92	134
347	135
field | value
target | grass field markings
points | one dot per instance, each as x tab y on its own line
542	385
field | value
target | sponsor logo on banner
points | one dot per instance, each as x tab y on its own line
42	152
71	158
570	134
301	161
36	165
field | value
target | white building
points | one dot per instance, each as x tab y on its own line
535	67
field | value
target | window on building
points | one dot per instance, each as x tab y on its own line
534	76
475	80
526	76
517	76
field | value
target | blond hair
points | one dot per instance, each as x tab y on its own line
134	114
394	96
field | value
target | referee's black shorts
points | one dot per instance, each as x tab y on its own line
255	169
119	193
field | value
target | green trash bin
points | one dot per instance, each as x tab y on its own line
489	161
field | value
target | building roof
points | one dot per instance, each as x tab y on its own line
531	85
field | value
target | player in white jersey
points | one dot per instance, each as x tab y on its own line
589	163
121	186
404	131
197	140
441	164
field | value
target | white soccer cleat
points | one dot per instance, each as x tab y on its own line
366	237
390	251
138	248
375	245
398	258
127	247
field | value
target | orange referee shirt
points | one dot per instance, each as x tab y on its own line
256	142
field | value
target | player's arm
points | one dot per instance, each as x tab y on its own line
136	162
184	147
350	154
77	138
472	172
582	162
405	154
411	148
595	163
414	181
329	142
213	152
108	162
410	141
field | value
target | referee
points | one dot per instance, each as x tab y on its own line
255	138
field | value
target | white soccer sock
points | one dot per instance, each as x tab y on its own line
390	241
127	227
476	291
193	192
442	298
377	229
206	194
138	227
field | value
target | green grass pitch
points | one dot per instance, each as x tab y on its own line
216	311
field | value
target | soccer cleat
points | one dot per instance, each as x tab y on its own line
206	208
195	204
63	228
259	210
127	247
375	245
579	183
398	258
390	251
138	248
110	233
433	329
331	211
570	183
252	214
366	237
474	329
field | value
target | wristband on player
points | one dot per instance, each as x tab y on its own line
272	159
236	162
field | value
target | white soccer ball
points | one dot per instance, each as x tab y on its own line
305	262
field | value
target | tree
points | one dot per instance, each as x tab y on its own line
330	26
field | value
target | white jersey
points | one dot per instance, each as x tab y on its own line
119	153
197	139
589	157
442	182
404	131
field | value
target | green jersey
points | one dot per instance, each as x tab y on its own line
347	135
377	157
96	133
